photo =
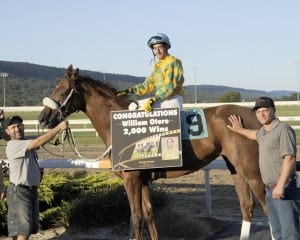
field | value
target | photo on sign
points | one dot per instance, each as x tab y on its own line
169	148
145	148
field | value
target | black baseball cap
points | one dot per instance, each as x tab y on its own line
12	120
263	102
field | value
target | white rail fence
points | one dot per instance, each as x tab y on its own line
85	124
185	105
33	126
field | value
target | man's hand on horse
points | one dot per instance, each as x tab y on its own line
148	105
236	123
124	92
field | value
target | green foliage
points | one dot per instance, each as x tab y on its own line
292	97
61	194
3	213
62	186
98	208
51	217
83	200
47	195
230	96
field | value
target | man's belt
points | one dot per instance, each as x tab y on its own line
24	186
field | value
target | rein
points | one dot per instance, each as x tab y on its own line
56	143
67	134
71	141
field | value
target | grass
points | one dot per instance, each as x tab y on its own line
289	110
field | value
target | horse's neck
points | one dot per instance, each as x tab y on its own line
100	119
98	111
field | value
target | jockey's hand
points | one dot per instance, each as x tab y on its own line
148	105
124	92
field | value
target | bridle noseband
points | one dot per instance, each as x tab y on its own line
50	103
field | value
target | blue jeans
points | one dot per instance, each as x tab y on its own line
284	213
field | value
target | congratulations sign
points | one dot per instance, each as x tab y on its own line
142	140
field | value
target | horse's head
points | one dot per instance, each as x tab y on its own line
65	99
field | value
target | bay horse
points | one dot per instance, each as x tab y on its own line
96	99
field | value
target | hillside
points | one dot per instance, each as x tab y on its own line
28	83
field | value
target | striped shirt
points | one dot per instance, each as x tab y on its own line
274	144
166	79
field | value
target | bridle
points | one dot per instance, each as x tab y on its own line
50	103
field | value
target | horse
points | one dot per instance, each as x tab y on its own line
97	99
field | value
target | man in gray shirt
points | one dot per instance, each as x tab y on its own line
24	177
277	163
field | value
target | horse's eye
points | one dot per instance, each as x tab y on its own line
62	96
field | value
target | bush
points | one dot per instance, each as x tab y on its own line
61	192
83	200
96	209
3	213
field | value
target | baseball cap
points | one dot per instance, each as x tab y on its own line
263	102
12	120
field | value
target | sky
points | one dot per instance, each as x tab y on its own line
251	44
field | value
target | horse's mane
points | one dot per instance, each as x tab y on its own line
96	84
103	88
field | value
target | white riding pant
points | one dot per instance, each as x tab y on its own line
175	101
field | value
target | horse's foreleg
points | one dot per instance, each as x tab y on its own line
133	187
148	212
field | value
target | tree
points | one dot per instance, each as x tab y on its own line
230	96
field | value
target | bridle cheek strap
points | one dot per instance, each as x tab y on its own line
50	103
67	99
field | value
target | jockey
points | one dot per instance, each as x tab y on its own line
166	78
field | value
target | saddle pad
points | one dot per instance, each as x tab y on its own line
193	124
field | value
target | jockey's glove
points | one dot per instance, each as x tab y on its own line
124	92
148	104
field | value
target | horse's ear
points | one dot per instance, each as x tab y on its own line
75	74
69	71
